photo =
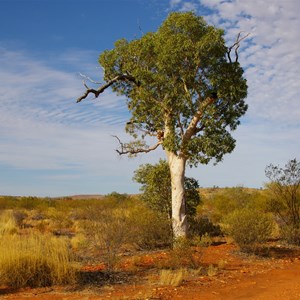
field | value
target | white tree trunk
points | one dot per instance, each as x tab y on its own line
177	170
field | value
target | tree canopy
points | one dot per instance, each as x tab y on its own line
179	77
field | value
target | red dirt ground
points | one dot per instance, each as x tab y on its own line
238	277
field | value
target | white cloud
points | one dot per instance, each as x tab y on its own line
174	3
271	55
188	6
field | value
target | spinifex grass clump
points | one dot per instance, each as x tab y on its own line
35	261
7	223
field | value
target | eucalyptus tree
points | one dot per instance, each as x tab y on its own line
185	88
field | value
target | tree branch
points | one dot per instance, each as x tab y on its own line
236	46
128	148
101	89
192	128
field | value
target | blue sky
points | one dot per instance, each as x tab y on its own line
51	146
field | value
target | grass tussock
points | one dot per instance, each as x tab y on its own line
172	277
35	261
7	223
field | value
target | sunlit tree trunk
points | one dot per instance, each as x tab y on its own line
177	170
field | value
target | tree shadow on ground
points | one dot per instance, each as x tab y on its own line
278	252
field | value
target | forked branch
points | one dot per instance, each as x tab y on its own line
101	89
133	149
236	46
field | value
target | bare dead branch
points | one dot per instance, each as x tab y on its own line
85	77
101	89
130	149
236	46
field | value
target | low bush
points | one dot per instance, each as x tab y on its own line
248	227
107	232
290	233
35	261
111	226
201	225
150	229
202	241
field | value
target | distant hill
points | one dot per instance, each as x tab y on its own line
213	190
86	197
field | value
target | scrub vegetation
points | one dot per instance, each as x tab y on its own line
47	241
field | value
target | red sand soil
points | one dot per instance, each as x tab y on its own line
238	277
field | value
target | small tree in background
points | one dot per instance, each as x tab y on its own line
157	191
285	197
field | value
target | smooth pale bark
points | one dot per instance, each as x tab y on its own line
177	170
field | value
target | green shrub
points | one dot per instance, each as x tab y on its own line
35	261
150	229
202	241
290	233
248	227
201	225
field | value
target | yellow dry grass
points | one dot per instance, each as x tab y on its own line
35	260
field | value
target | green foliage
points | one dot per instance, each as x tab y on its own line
284	198
156	188
290	233
180	72
202	225
203	240
151	229
248	227
29	203
224	201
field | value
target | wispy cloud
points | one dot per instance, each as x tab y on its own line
46	136
63	146
31	90
271	55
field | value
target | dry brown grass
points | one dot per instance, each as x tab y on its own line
35	260
172	277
